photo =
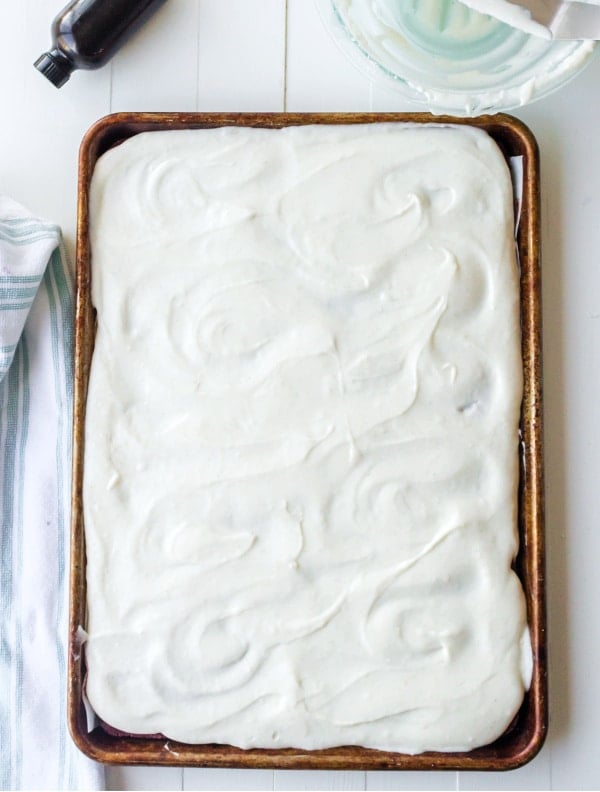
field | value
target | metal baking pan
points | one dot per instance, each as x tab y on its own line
525	736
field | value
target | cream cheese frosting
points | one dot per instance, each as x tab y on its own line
300	487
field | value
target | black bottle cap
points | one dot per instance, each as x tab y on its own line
55	66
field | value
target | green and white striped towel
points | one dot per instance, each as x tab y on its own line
36	332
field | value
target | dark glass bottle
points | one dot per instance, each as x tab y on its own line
87	33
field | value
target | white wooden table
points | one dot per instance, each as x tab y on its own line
274	55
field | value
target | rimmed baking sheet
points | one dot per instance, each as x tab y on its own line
526	734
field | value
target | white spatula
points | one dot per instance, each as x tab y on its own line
558	19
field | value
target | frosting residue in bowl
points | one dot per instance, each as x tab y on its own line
453	58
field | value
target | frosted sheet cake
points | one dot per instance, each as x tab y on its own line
300	488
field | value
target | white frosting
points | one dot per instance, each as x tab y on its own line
301	440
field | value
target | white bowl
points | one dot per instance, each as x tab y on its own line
442	54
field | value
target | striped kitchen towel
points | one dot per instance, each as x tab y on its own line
36	333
